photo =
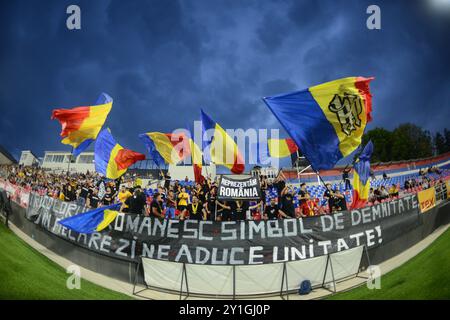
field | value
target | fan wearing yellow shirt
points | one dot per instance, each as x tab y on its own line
393	191
124	194
61	196
183	200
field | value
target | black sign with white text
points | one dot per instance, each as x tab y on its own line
242	242
238	189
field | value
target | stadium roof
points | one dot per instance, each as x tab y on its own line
6	157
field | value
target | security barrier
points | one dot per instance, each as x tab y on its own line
249	280
123	270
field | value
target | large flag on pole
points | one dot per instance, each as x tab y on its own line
222	148
281	148
81	125
197	159
168	148
326	121
93	220
111	159
361	174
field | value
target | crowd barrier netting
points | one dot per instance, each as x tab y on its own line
249	280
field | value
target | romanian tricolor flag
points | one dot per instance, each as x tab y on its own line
111	159
92	221
81	125
326	121
222	148
361	174
166	147
281	148
197	159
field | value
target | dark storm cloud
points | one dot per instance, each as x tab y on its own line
163	60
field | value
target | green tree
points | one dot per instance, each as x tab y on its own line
447	140
439	143
382	144
411	142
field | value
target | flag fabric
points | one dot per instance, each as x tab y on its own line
111	159
92	221
361	174
326	121
81	125
164	148
281	148
197	159
222	148
259	153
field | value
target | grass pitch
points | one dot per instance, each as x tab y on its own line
426	276
27	274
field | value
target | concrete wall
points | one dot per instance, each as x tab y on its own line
63	166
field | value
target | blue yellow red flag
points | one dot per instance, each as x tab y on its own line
223	150
281	148
81	125
164	148
92	221
326	121
197	159
111	159
361	174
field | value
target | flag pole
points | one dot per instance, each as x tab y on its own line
323	182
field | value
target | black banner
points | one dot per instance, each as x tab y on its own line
243	242
238	189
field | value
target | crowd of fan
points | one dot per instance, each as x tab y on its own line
83	188
178	200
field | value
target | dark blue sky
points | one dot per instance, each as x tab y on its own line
163	60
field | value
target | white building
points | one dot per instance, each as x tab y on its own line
59	162
270	172
27	158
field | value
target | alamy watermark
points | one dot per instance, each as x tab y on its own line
73	21
374	279
373	22
223	147
74	280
